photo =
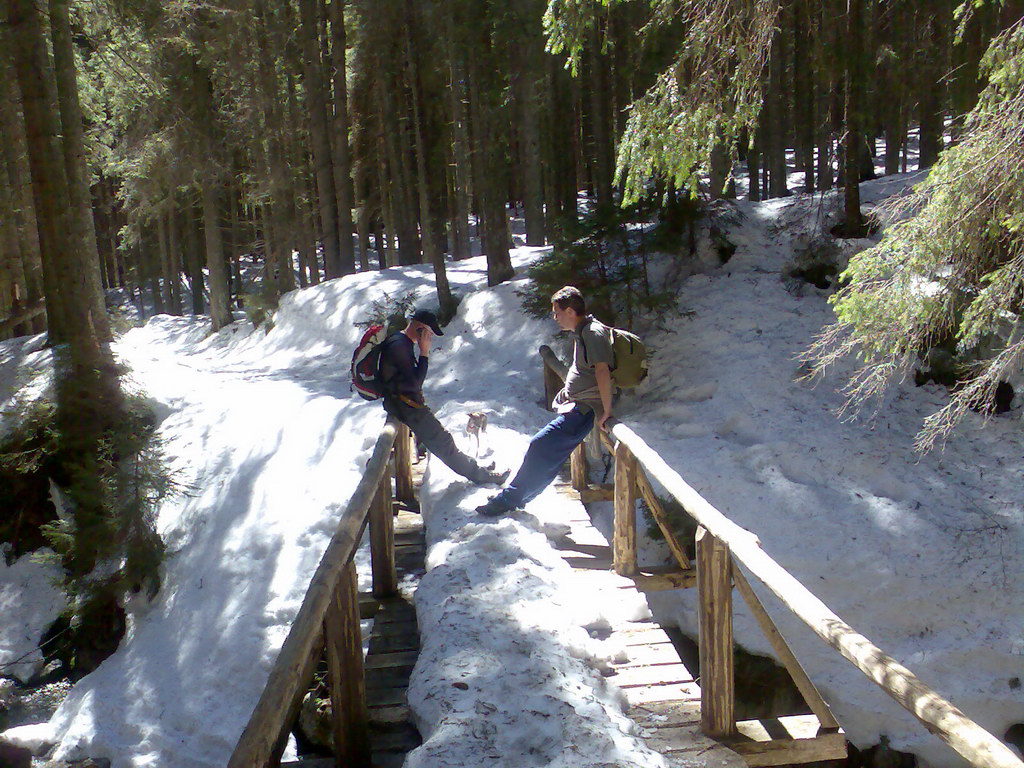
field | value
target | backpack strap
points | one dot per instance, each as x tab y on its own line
588	320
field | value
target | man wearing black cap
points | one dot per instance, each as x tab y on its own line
403	374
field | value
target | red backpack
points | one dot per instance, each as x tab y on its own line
366	364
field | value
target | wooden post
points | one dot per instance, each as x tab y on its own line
403	465
382	541
351	722
255	746
624	538
579	469
552	384
714	588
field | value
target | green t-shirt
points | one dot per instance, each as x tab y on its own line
593	344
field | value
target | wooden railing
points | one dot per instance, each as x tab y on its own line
721	546
328	619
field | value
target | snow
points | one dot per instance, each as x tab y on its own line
29	603
920	554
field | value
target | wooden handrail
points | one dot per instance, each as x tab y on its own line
939	716
257	743
21	314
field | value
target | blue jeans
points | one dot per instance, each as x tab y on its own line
548	451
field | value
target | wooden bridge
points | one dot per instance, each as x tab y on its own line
685	715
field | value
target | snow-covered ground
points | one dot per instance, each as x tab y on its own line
921	554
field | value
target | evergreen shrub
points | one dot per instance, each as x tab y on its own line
259	304
44	487
949	270
390	310
605	255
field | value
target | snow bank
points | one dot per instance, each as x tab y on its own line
29	603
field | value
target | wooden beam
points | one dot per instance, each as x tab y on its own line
403	466
624	537
714	587
350	722
21	314
658	511
579	469
940	717
368	605
784	653
256	743
787	740
659	582
591	493
382	541
552	362
552	384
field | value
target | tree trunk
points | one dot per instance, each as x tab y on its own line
931	110
342	149
194	260
775	124
15	176
319	134
603	154
719	172
803	98
433	254
88	392
385	255
162	266
489	179
461	170
220	297
46	161
530	154
174	272
853	223
364	211
754	166
81	218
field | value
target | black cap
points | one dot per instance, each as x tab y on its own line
428	318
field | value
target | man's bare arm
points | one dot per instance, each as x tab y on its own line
604	385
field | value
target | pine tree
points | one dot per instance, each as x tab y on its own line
953	270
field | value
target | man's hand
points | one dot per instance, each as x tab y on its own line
604	418
426	340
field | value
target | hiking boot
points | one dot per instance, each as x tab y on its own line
493	507
493	477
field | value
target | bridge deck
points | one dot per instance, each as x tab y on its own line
394	646
664	695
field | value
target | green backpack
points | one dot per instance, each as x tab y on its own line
630	359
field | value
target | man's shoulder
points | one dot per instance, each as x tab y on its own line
594	329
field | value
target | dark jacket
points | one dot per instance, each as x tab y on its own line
401	370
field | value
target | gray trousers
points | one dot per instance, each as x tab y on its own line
432	435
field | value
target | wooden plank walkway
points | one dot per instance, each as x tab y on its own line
394	646
664	695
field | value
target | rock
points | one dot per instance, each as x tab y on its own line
12	756
818	261
315	721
